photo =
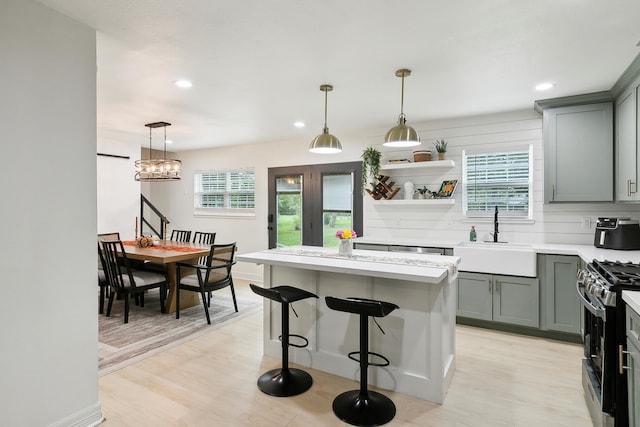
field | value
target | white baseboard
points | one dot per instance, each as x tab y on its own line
254	278
88	417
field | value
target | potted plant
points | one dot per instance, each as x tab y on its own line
424	193
441	148
370	165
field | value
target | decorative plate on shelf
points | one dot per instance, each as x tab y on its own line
447	188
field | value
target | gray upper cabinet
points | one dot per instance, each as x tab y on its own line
626	143
578	153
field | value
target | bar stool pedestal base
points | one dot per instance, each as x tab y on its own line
284	383
371	409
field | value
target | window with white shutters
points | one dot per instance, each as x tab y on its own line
225	192
502	179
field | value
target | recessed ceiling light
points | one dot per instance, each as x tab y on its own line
544	86
299	124
168	141
183	83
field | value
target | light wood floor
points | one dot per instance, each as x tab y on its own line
500	380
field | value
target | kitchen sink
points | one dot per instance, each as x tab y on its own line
515	259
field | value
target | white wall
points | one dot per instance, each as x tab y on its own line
117	191
552	223
48	319
176	198
559	223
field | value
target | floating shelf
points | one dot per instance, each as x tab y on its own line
416	202
419	165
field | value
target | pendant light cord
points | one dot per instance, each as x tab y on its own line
402	97
325	108
165	143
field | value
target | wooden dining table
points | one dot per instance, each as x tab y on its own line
170	253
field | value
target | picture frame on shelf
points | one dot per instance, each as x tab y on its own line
447	188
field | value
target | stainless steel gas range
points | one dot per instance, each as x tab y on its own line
604	378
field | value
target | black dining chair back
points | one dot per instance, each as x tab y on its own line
181	235
103	284
204	238
125	281
215	274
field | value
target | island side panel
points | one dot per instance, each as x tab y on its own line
419	339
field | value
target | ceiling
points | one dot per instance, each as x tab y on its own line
257	65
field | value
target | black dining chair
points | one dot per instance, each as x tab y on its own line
103	284
181	235
125	281
204	238
213	275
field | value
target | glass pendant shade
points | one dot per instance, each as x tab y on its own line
402	135
158	170
325	143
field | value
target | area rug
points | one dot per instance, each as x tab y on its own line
150	332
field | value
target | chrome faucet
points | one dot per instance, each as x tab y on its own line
495	226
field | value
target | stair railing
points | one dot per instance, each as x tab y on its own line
152	218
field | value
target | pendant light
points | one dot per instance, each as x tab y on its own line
158	170
402	135
325	142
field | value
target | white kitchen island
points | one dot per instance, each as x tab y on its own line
419	337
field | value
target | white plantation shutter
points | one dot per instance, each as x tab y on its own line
502	179
224	192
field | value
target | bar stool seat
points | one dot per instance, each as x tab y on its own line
363	407
285	381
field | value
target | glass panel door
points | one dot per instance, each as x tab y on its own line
289	210
308	204
337	206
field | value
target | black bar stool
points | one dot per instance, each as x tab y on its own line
363	407
285	381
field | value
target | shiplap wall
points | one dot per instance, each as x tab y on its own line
552	223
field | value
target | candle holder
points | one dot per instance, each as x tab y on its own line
164	232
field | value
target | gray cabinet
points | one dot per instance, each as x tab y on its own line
475	296
627	131
633	364
506	299
561	304
578	141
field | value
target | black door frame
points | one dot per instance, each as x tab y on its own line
312	198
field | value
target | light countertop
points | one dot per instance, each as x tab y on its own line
401	266
632	298
587	252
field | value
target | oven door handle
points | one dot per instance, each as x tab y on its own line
596	311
